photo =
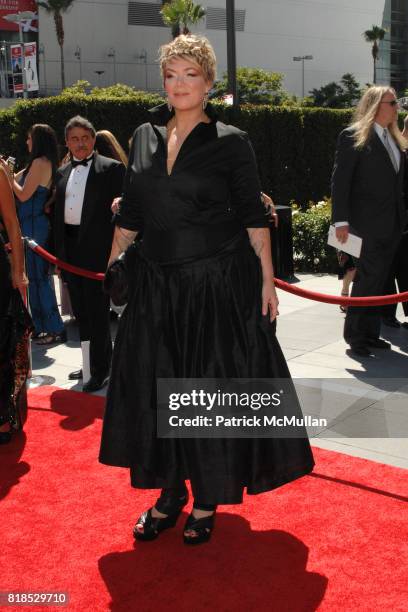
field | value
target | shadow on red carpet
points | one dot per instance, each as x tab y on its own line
333	540
240	569
12	468
77	415
349	483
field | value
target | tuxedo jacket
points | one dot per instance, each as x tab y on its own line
104	183
367	192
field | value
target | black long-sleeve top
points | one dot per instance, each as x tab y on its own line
214	179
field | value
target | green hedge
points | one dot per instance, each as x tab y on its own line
120	115
294	145
321	128
7	131
310	249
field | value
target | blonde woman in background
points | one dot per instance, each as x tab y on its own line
107	145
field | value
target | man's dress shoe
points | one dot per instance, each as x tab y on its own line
378	343
76	375
361	350
391	322
94	384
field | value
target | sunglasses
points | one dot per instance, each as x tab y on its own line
390	102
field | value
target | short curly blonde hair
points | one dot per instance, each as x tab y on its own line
197	49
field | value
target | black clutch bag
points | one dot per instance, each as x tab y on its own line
115	283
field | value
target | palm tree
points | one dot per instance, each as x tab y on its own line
179	14
373	36
56	8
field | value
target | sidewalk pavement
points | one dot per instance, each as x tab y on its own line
364	397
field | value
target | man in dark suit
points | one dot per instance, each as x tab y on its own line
397	283
85	189
368	199
399	271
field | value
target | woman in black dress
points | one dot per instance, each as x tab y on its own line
201	302
15	323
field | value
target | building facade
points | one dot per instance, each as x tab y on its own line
13	12
108	41
398	44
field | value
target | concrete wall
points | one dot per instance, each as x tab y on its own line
7	102
275	31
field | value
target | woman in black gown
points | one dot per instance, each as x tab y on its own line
15	323
201	301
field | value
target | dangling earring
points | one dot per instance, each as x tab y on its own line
205	101
169	106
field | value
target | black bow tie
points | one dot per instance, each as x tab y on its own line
83	162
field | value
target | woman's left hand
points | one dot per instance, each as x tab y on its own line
270	207
270	300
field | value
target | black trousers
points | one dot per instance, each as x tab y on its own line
373	269
398	277
91	309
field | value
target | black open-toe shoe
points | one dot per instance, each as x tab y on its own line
5	437
152	526
203	528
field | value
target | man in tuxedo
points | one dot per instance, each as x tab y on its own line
368	199
85	189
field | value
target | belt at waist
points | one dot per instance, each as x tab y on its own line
195	242
71	230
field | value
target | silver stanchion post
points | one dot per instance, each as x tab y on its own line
32	381
27	304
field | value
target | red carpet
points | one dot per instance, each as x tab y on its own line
336	540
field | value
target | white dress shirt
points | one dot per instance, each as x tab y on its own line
397	154
74	193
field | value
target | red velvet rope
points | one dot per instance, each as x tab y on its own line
375	300
62	264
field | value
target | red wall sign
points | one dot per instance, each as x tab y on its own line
9	7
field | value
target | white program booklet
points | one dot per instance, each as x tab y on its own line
352	246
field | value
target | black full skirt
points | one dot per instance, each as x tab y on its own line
195	319
15	328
